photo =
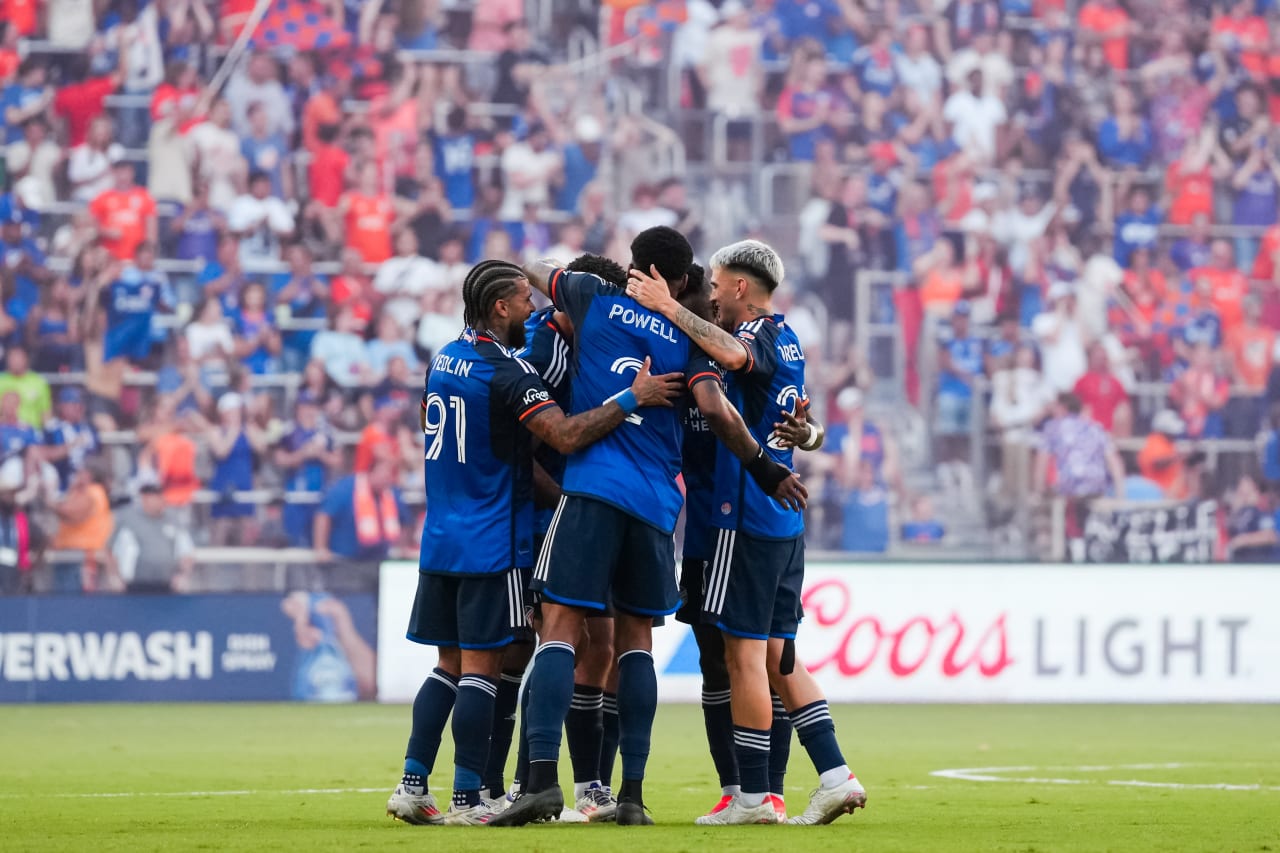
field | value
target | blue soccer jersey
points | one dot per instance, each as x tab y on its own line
633	468
131	303
548	350
479	479
770	383
699	468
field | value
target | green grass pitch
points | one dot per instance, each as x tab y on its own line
298	777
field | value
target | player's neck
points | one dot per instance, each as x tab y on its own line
756	309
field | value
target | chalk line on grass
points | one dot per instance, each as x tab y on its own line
106	795
998	774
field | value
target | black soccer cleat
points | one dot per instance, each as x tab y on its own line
527	808
631	813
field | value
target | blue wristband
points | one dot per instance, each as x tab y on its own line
627	400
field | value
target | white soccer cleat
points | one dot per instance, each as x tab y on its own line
779	807
737	814
568	815
477	815
501	804
417	809
827	804
597	804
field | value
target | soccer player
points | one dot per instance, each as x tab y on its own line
610	541
479	527
756	580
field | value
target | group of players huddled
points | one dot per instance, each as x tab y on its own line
555	445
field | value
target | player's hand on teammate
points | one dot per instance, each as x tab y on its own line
793	431
650	289
653	390
791	493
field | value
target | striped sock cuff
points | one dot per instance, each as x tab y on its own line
510	678
610	703
445	678
779	710
745	738
553	648
715	697
644	652
586	698
813	714
479	682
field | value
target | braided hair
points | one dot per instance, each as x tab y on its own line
487	282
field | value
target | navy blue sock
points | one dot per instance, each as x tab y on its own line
550	694
504	725
609	742
752	748
431	709
779	747
472	723
637	705
522	749
718	719
584	731
817	733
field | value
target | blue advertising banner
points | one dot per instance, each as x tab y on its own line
259	647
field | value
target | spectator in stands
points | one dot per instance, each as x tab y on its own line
528	169
368	214
942	283
1270	452
1020	399
1106	22
234	446
70	441
731	70
580	158
197	228
126	213
85	520
260	83
1193	249
361	515
644	212
392	342
35	401
1125	140
90	161
1257	187
1164	463
959	369
24	263
1103	394
1138	227
916	68
21	539
31	162
299	295
266	150
923	527
1251	347
1251	529
1061	339
491	24
218	160
260	221
16	435
28	97
378	440
977	119
440	322
342	350
54	326
258	342
307	457
327	169
517	66
224	278
866	514
150	552
1201	393
805	109
1084	461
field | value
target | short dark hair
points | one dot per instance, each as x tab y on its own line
662	247
256	176
1071	402
696	295
598	265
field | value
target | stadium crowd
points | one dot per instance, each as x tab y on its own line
225	296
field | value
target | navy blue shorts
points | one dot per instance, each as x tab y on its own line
596	555
468	611
754	586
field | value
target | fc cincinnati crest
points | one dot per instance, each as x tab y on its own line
726	508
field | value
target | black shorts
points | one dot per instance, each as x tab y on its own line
754	586
525	632
596	555
693	590
467	611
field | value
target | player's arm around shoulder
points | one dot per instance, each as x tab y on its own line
570	434
651	290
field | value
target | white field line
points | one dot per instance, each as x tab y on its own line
86	795
997	774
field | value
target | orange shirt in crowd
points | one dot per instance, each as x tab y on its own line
80	103
325	173
1250	36
1192	193
941	289
1171	476
21	15
175	460
320	109
9	62
369	221
1251	349
375	443
356	290
1264	263
126	211
1099	20
1229	288
166	99
92	533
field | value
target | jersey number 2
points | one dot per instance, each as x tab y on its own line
434	425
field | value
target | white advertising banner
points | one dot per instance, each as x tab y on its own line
972	633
